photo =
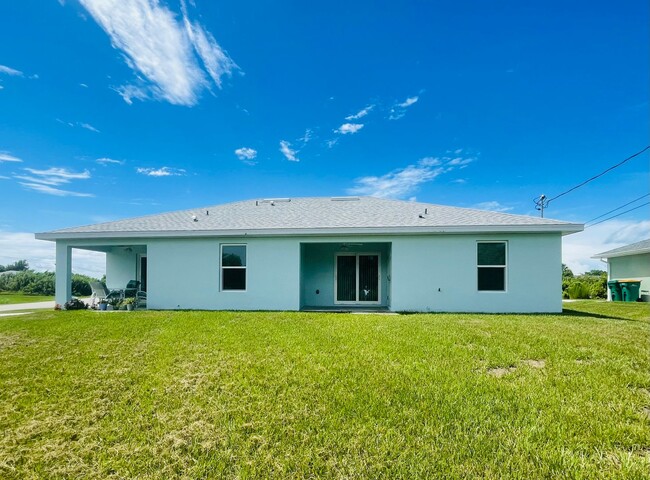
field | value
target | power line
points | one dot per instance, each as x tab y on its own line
619	214
542	201
599	175
618	208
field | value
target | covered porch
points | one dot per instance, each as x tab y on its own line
124	262
345	276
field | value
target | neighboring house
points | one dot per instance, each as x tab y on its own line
329	253
631	262
8	272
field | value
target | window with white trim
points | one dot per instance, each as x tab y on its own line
491	261
233	267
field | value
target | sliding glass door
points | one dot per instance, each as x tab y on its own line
357	278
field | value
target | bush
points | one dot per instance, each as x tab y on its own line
75	304
578	290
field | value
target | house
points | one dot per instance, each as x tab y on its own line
629	262
329	253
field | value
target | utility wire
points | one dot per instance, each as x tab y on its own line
618	208
619	214
599	175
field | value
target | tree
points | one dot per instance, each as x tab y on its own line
566	271
18	266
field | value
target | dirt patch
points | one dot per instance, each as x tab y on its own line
535	363
646	412
500	371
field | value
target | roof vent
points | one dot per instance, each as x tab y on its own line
194	218
272	201
345	199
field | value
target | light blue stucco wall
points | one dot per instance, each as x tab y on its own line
419	272
439	273
120	268
185	274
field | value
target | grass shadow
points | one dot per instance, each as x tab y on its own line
579	313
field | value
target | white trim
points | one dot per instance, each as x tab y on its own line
563	228
356	288
505	267
221	267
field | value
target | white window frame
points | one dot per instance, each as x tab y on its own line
336	278
505	267
222	267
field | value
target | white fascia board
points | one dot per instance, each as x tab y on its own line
622	254
564	229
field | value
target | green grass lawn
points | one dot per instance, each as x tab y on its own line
311	395
12	298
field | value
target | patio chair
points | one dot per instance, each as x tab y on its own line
101	292
131	289
141	299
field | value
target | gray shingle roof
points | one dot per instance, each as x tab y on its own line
315	215
633	249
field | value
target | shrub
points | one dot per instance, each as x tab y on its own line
75	304
578	290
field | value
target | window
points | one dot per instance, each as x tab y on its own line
233	267
491	263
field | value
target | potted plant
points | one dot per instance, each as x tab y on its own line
129	303
114	304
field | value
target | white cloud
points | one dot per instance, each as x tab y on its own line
332	142
163	52
10	71
88	126
399	109
6	157
83	85
579	247
349	128
460	162
246	153
42	188
40	255
362	113
408	102
129	92
493	206
288	152
401	182
307	136
162	172
215	61
55	176
398	183
109	161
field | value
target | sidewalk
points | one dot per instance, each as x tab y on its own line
13	307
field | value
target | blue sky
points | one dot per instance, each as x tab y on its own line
119	108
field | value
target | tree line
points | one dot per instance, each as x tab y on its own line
30	282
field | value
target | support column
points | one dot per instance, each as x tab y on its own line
63	284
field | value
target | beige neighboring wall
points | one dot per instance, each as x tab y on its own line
636	267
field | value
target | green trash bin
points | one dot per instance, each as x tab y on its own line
630	290
615	289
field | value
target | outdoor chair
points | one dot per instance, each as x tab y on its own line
131	289
141	299
101	292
